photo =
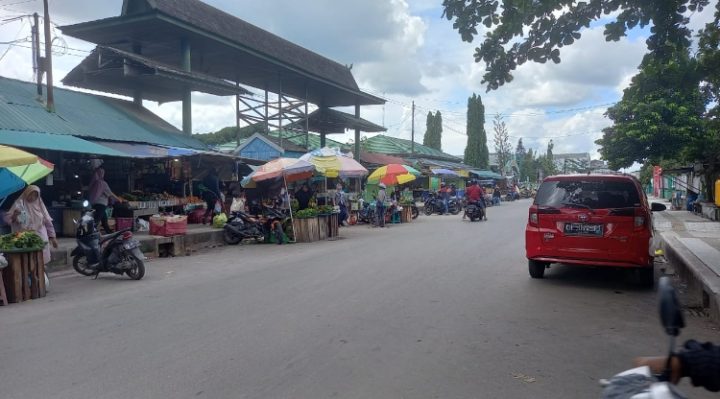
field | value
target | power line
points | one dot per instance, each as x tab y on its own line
15	3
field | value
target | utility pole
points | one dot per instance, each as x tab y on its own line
412	131
36	58
48	60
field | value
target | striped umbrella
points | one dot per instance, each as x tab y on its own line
393	174
290	168
11	156
330	162
15	178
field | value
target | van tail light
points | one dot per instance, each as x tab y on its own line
533	219
640	219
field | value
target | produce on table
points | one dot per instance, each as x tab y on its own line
23	240
306	213
325	209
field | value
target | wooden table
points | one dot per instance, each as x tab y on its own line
24	276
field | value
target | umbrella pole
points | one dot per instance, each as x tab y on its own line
292	221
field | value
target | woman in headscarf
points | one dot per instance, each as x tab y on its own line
100	195
28	213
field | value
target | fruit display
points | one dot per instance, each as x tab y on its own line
26	240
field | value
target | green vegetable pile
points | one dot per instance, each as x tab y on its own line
24	240
325	209
306	213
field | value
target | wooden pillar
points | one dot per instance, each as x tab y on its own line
357	133
187	96
137	93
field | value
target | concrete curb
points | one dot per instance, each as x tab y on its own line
152	246
703	284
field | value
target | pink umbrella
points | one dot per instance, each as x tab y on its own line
289	168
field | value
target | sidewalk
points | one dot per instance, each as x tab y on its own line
197	237
692	244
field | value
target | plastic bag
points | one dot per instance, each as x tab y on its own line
238	204
218	207
219	220
143	225
3	261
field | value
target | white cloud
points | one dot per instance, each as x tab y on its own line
406	51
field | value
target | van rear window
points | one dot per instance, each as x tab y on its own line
595	194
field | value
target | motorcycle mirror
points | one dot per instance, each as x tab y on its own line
670	310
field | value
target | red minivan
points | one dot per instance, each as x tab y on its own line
591	220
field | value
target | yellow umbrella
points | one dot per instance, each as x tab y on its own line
10	156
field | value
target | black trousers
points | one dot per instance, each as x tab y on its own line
101	214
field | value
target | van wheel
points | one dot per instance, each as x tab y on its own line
536	269
645	277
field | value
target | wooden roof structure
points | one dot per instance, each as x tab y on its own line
111	70
226	47
329	121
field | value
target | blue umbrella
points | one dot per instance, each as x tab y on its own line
444	172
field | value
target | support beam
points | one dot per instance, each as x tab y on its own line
187	96
322	139
357	133
137	93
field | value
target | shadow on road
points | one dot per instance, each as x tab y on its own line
589	277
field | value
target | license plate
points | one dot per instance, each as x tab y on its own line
131	245
583	229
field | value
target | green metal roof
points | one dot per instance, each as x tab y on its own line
86	116
57	142
313	140
394	146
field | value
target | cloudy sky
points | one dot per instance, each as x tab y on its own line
401	50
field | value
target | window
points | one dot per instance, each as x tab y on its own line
595	194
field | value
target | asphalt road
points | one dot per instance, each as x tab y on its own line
439	308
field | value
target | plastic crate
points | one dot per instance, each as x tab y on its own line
124	223
168	226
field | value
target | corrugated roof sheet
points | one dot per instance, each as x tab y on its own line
56	142
395	146
87	116
299	140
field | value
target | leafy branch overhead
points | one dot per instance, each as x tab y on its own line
518	31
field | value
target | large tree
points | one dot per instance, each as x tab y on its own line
433	131
476	151
518	31
503	148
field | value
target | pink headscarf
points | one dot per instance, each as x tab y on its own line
96	187
36	211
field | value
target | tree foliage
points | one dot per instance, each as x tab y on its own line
228	134
476	151
503	147
518	31
660	115
433	131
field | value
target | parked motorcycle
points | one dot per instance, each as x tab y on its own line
474	212
367	212
241	226
415	211
117	252
641	381
434	204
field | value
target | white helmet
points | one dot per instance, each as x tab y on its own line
382	185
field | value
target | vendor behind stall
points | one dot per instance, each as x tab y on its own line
211	194
303	197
